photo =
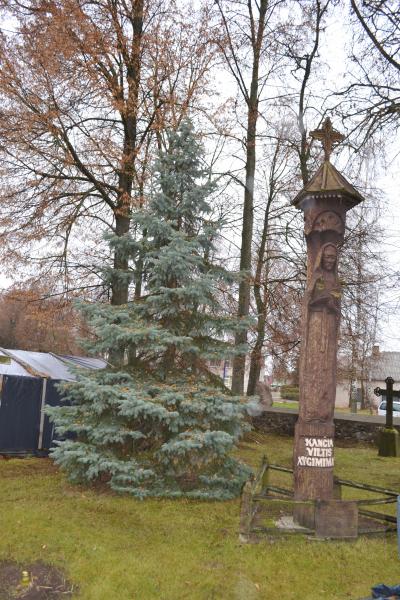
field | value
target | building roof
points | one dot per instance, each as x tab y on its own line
44	364
385	364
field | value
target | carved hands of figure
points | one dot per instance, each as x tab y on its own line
324	298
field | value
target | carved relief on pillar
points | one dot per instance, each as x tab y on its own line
327	220
325	287
322	323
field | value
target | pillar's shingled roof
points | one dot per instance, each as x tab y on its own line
328	179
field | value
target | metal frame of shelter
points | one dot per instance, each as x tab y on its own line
28	383
259	492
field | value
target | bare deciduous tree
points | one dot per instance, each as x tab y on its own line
31	318
244	24
371	101
87	91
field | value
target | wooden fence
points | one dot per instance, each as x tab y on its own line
259	493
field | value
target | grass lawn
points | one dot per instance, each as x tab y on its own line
118	548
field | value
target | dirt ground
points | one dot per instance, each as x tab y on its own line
45	582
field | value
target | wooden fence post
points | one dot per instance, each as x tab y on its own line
265	477
246	510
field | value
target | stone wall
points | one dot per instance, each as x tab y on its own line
347	426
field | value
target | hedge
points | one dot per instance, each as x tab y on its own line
289	392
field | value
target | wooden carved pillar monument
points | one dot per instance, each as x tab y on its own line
324	201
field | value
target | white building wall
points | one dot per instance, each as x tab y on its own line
342	395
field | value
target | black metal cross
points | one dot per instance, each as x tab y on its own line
390	393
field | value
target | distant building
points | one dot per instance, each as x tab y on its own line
379	366
223	368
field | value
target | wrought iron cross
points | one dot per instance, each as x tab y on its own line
390	393
328	136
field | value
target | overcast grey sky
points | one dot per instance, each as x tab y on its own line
334	53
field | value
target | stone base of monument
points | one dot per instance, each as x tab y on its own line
388	442
304	514
336	519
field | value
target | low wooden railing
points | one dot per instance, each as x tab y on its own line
258	489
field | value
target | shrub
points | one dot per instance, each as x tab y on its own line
290	392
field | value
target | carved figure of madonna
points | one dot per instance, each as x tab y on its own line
322	329
325	288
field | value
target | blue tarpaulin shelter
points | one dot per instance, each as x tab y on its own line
28	382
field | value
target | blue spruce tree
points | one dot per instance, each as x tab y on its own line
162	424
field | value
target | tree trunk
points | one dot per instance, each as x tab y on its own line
239	362
119	287
261	302
256	356
120	283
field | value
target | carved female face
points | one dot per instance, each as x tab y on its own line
329	257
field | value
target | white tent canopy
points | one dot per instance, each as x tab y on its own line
44	364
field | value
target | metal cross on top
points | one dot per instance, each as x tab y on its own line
328	136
